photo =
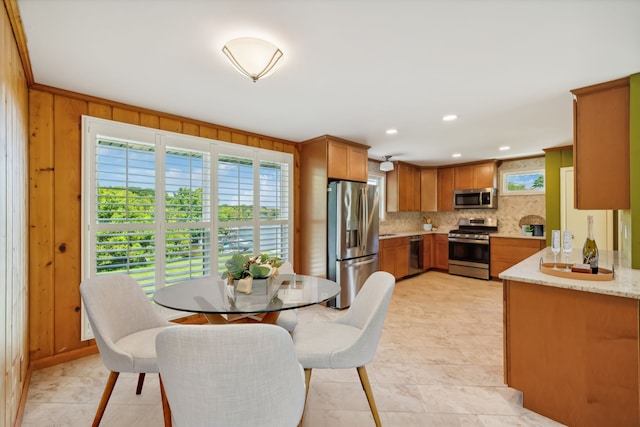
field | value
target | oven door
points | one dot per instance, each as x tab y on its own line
469	257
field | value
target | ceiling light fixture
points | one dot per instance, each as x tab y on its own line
387	165
456	155
449	117
391	131
504	148
254	58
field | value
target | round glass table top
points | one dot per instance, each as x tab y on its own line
212	295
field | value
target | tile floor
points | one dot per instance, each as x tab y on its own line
439	363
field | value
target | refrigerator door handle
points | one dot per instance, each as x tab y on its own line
365	215
369	261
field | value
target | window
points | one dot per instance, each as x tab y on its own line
523	182
165	207
378	179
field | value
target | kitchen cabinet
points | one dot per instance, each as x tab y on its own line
428	190
601	146
445	189
427	251
403	188
507	252
441	251
477	175
394	256
318	165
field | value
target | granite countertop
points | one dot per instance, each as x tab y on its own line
394	235
626	281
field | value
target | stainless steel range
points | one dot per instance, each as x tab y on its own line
469	252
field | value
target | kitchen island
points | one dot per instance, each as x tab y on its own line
572	346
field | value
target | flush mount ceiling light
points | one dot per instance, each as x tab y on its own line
456	155
254	58
504	148
391	132
449	117
386	166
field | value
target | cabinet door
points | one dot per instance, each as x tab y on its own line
601	146
337	160
427	251
463	177
401	256
507	252
445	189
484	175
429	190
441	251
358	166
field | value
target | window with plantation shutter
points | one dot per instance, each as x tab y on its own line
165	207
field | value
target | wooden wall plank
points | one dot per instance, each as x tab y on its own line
149	120
170	125
41	224
208	132
267	144
190	129
239	138
67	203
224	135
253	141
125	116
101	111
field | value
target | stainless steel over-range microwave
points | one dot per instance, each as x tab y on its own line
477	198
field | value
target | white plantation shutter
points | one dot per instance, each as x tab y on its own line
166	207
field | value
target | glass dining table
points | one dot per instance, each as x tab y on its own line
222	303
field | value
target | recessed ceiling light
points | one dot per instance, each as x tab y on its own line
504	148
456	155
392	131
449	117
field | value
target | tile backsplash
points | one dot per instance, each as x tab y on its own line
510	208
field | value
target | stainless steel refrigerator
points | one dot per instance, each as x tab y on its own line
352	237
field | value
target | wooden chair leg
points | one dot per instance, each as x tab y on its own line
307	380
140	383
364	380
106	394
166	410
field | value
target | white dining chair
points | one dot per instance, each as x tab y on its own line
287	319
351	340
125	325
242	375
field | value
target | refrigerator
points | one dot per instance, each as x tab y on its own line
352	246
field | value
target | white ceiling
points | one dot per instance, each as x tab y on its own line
351	68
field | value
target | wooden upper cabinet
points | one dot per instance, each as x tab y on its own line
477	175
429	190
346	160
445	189
601	146
403	188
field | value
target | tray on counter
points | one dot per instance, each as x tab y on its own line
604	274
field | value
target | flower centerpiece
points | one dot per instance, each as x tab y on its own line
245	268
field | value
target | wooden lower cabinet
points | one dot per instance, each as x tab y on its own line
573	354
394	256
507	252
427	251
441	251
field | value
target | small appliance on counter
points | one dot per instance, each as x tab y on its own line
538	229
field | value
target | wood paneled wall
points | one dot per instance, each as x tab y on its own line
55	184
13	224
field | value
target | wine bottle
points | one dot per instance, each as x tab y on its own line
590	249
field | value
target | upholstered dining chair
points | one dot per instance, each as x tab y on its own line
241	375
351	340
125	325
287	319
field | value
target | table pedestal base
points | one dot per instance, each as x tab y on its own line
218	319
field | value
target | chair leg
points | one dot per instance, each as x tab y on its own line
140	383
364	379
307	380
166	410
106	394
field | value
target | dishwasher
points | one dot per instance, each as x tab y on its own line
416	248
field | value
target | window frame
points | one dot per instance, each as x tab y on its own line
93	128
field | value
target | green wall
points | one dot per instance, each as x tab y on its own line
553	161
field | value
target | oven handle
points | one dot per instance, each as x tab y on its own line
482	242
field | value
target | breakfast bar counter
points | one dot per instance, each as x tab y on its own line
572	346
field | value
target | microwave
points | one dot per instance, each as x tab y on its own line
477	198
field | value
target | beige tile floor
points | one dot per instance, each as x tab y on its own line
439	363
